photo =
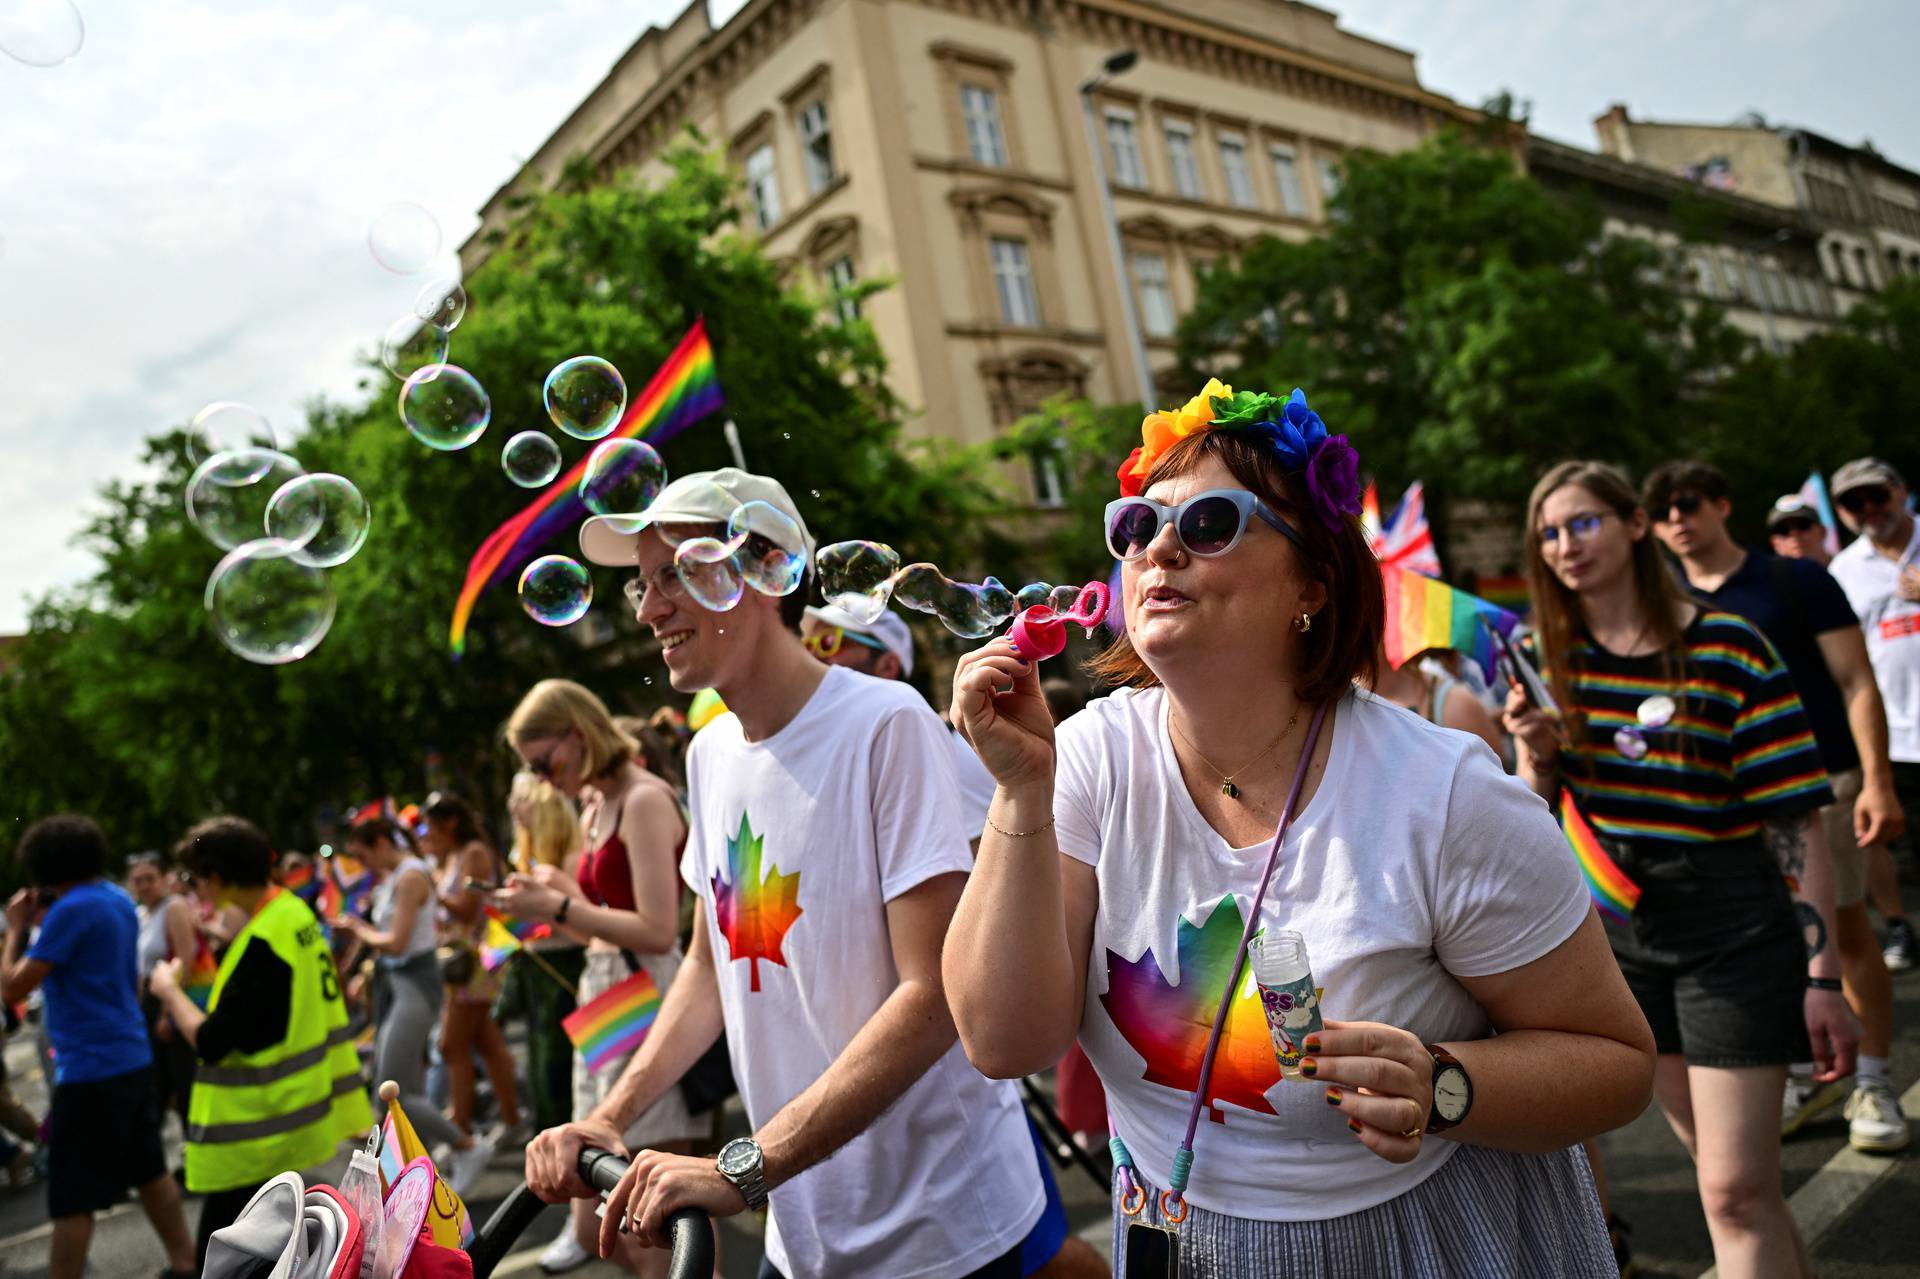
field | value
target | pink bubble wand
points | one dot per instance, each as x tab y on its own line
1040	632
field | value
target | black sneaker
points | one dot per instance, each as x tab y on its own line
1617	1232
1901	946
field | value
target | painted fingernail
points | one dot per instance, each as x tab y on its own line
1353	1125
1308	1066
1333	1096
1313	1043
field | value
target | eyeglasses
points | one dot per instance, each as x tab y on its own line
1685	503
1857	500
1578	528
1795	526
1206	524
665	580
827	643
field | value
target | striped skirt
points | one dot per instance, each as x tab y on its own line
1486	1214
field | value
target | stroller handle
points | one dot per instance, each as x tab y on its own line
690	1229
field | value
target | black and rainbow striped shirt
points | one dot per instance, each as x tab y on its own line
1738	752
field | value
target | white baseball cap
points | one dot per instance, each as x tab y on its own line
887	628
705	497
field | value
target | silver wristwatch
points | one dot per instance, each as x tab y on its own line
741	1163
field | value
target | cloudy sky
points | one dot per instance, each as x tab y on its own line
183	207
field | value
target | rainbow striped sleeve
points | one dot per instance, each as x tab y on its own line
1777	769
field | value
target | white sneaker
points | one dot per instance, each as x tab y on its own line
1805	1099
468	1164
1874	1120
564	1253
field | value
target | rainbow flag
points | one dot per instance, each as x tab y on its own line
400	1145
498	946
1370	515
197	984
1424	613
685	389
615	1023
521	930
1508	590
1613	893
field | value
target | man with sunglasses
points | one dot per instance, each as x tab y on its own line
1880	572
1804	614
826	855
1795	530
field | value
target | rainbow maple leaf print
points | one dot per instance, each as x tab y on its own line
1168	1023
754	914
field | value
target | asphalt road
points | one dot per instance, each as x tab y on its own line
1861	1213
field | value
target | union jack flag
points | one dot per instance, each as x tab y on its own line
1404	540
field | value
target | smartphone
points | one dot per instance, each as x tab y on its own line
484	886
1152	1253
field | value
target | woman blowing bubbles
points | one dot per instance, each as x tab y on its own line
1436	897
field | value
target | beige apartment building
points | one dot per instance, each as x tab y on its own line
943	145
1865	207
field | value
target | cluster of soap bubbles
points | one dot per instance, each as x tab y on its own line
41	33
862	577
763	549
269	598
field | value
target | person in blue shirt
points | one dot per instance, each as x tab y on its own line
103	1128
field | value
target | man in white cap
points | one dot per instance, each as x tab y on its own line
826	853
883	648
1795	530
1880	572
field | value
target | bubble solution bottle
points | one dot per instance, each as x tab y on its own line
1287	995
360	1187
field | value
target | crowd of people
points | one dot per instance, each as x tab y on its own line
870	920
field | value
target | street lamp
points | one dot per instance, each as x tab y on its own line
1116	64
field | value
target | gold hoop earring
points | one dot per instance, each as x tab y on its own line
1303	623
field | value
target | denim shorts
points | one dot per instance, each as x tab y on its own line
1713	952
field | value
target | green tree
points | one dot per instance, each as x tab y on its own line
123	704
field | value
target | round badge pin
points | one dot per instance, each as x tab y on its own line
1630	742
1657	711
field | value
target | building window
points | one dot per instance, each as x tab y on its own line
1129	170
1329	182
1703	277
763	188
1049	490
1866	267
1013	280
1233	163
986	142
1730	277
841	277
1155	291
1286	175
816	145
1183	162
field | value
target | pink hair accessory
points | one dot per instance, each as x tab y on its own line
1040	632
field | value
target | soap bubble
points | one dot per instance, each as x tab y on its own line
969	611
1034	593
403	237
555	590
41	33
227	427
769	548
622	477
445	407
266	605
228	495
442	301
710	572
1061	599
331	512
530	459
858	577
585	396
412	344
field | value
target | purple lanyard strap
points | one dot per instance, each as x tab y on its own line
1175	1195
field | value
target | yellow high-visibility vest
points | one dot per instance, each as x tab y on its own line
254	1116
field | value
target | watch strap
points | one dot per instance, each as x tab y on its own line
1444	1060
752	1184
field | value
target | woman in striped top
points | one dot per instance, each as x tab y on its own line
1683	743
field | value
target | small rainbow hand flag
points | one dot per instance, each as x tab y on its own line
522	930
684	389
1613	893
615	1023
498	946
197	983
1424	613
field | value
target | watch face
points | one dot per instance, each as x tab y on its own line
738	1157
1451	1093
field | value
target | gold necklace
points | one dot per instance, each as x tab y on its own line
1227	787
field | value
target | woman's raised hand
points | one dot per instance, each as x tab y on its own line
1531	726
998	706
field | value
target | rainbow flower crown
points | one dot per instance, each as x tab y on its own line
1292	430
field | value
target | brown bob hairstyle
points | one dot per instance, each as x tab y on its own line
1344	643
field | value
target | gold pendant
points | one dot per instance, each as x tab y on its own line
1229	790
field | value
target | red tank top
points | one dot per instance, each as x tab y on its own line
605	875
